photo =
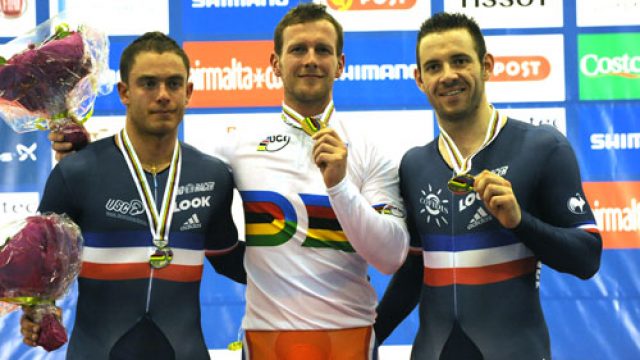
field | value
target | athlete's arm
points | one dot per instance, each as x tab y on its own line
230	263
401	297
381	239
565	239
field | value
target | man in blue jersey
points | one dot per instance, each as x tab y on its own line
151	209
487	203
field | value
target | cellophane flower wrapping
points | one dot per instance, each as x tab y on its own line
40	257
50	77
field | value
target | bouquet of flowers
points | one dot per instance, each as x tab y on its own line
52	78
40	257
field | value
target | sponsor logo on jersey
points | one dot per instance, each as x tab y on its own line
616	208
501	171
191	188
609	66
480	217
125	210
193	203
520	68
351	5
133	207
575	204
193	222
274	143
434	208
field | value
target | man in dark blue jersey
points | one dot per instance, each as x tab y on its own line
151	209
487	203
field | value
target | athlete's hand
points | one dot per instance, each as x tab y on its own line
498	197
29	328
330	155
58	144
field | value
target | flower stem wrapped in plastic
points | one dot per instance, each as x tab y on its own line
50	78
40	257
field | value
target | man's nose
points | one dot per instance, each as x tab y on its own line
163	93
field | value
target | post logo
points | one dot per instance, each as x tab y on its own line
520	68
609	66
350	5
616	208
232	74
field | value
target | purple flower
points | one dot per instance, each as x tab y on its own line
40	78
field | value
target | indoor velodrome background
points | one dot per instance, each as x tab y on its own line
574	64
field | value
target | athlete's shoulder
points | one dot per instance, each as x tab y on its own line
418	154
536	135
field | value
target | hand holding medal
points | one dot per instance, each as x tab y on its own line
461	184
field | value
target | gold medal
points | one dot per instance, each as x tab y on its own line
161	258
310	125
461	184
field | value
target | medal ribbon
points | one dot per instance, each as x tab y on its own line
309	125
159	224
459	163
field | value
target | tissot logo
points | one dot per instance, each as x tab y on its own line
501	3
520	68
274	143
350	5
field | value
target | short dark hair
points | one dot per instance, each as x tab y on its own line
305	13
154	41
441	22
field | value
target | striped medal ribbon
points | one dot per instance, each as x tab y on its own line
309	125
159	223
462	182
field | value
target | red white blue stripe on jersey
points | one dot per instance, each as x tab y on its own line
475	259
125	256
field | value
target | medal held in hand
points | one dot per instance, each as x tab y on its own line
462	182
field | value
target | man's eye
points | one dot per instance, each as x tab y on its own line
174	84
149	84
432	67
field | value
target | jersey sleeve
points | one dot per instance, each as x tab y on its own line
372	216
222	233
57	196
562	233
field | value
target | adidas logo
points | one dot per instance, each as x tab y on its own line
480	217
192	223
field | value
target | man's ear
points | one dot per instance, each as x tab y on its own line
488	63
340	69
123	92
189	92
274	60
418	77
